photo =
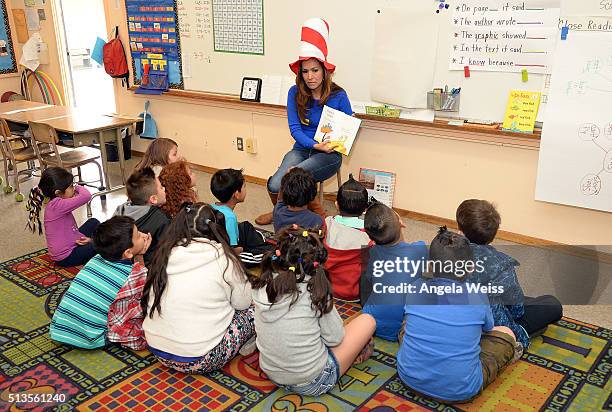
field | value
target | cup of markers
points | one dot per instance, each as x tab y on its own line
444	100
451	103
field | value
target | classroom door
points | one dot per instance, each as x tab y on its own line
83	22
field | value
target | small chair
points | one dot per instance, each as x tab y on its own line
45	135
338	178
16	150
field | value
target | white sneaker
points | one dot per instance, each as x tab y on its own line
249	347
518	352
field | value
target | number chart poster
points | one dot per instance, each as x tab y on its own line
8	63
238	26
575	164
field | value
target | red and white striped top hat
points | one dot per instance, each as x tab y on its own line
315	34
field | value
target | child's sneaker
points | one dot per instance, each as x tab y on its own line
518	352
365	353
249	347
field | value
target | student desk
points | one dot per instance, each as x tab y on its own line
86	128
20	105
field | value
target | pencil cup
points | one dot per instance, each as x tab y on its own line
445	102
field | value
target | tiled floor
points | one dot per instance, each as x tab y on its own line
534	273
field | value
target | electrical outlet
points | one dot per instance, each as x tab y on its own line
240	144
251	146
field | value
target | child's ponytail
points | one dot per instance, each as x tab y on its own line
52	180
34	206
319	286
299	253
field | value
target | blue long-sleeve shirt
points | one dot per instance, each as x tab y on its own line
304	134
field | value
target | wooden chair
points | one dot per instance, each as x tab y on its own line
45	135
338	177
16	150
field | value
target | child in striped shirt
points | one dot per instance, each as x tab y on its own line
82	317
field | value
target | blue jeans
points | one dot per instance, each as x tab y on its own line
82	253
323	383
321	165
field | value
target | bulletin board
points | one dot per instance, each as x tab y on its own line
8	64
154	39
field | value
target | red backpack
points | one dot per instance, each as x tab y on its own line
115	62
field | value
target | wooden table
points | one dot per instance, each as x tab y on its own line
85	127
38	114
20	105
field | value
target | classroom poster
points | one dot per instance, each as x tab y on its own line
154	38
7	51
379	184
521	111
575	161
503	36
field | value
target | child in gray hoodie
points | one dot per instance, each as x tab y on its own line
303	344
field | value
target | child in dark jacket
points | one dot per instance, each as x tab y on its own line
146	195
478	220
298	188
346	240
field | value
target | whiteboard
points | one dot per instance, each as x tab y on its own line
351	49
575	162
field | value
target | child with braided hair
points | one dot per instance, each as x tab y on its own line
303	344
68	244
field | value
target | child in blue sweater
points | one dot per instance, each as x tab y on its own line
392	265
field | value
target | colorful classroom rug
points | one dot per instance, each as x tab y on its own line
566	369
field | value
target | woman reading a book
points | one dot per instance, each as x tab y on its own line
314	89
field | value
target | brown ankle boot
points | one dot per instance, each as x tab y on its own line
315	206
266	218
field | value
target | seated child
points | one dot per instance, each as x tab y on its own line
145	197
161	152
345	239
78	319
229	187
68	244
179	182
197	300
478	220
303	344
450	350
298	188
392	263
